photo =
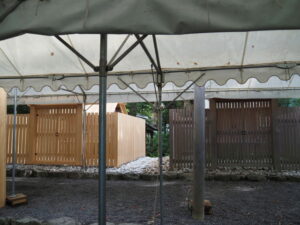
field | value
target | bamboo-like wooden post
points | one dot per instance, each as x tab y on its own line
2	147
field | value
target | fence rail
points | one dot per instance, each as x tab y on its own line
250	133
52	135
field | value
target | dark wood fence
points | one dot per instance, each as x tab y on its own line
249	133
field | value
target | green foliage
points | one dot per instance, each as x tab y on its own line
140	108
146	110
21	109
289	102
152	145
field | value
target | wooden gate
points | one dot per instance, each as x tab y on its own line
237	133
244	134
56	134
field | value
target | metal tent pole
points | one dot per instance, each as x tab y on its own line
159	112
102	129
160	80
83	127
199	153
13	188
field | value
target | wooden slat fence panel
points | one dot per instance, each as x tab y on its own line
131	138
22	138
243	135
93	139
54	137
58	135
125	139
288	121
182	136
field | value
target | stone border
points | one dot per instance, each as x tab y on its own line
241	175
56	221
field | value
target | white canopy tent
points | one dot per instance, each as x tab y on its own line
38	61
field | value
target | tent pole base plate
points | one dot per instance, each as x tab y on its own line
18	199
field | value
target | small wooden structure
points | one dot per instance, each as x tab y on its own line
2	147
18	199
52	135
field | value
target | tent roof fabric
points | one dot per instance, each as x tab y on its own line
145	16
37	61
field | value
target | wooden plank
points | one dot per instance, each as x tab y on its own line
130	138
78	134
2	147
275	137
31	143
171	139
18	199
22	127
213	126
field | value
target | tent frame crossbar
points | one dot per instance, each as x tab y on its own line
142	44
185	90
125	53
78	54
279	65
136	92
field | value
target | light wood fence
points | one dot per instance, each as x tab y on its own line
2	147
52	135
249	133
22	138
125	139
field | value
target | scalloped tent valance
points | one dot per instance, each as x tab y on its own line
274	88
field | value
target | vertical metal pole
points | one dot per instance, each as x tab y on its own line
102	129
84	128
160	150
13	188
199	153
160	80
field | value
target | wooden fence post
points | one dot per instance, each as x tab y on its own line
171	143
213	119
31	136
2	147
79	151
275	136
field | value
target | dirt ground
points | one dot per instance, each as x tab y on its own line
133	201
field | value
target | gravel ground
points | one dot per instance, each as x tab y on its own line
133	201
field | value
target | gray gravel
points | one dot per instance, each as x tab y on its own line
234	203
